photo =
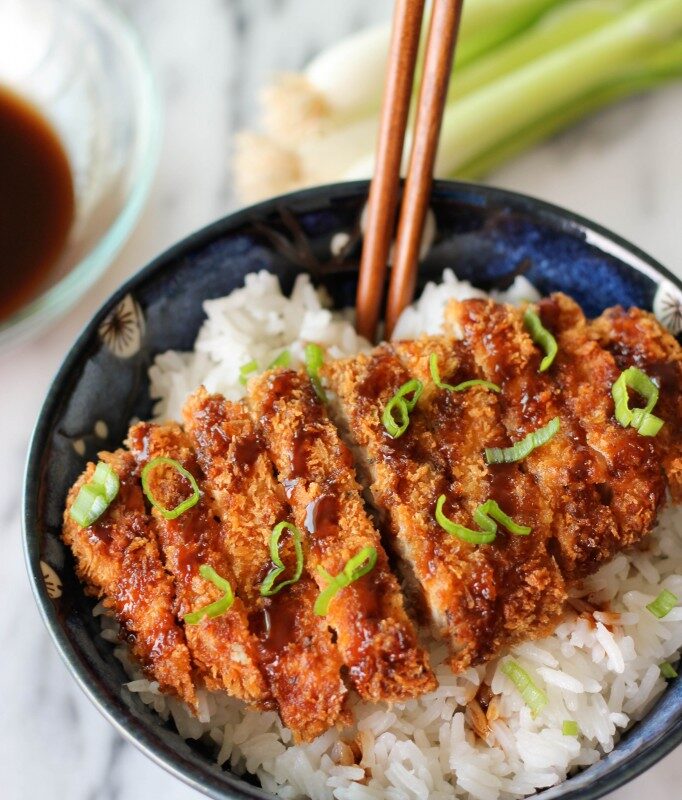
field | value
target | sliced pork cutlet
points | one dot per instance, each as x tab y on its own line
118	559
455	581
302	663
569	474
530	588
375	637
223	647
585	372
635	338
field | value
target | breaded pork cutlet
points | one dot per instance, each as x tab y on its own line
585	372
375	637
302	663
529	587
222	647
567	471
635	338
117	559
454	580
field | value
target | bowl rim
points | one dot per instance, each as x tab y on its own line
190	769
38	313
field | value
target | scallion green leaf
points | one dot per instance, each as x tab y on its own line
282	360
640	418
245	370
219	606
400	405
569	727
667	670
460	387
314	358
533	697
267	588
541	336
519	450
169	513
357	566
491	509
484	536
95	496
663	604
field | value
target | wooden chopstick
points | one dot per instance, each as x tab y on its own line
440	48
440	51
383	193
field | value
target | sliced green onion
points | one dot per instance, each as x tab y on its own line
663	604
219	606
95	496
541	336
533	697
484	536
519	450
640	418
282	360
491	509
460	387
667	670
246	370
170	513
569	727
267	589
357	566
401	405
314	358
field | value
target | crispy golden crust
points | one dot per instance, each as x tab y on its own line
636	338
376	639
302	664
457	584
585	372
118	559
529	591
223	648
568	472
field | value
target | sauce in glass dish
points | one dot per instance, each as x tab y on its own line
37	201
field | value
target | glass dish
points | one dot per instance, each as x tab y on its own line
81	64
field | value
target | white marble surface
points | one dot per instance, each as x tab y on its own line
623	169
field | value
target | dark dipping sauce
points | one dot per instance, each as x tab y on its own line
36	201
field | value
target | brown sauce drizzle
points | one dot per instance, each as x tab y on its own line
275	624
247	449
322	515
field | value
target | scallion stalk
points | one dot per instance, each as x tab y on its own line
220	606
663	604
533	697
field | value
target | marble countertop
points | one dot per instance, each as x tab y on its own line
622	169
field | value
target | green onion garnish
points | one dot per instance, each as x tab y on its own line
569	727
484	536
282	360
357	566
267	589
245	370
490	509
667	670
663	604
533	697
541	336
519	450
314	358
646	423
400	405
220	606
95	496
460	387
170	513
486	516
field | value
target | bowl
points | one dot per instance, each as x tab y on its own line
486	235
81	64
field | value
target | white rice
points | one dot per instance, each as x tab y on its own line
598	669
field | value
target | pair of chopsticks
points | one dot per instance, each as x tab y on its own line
383	194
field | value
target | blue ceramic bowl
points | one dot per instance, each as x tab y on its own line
486	235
